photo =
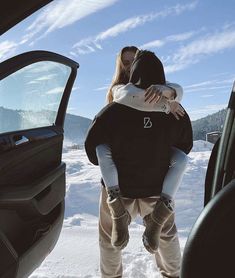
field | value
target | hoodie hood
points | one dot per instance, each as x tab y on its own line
146	70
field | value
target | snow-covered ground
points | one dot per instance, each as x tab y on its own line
76	254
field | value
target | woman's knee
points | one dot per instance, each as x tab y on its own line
179	158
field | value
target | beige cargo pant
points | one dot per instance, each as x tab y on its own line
168	258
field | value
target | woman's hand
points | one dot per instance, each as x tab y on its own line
154	93
176	109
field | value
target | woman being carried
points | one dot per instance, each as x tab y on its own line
160	98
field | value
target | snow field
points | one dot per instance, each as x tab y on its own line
76	254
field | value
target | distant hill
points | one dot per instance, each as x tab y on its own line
76	126
213	122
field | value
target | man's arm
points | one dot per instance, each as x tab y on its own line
182	133
97	134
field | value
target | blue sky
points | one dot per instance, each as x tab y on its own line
194	39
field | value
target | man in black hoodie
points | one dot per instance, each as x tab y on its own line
140	143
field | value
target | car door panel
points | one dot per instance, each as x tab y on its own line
33	180
210	173
28	160
14	11
223	170
32	175
210	245
39	238
211	241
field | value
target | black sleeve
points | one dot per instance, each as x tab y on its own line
97	134
182	133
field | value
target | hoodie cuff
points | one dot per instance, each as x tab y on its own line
178	90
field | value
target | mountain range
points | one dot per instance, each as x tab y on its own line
210	123
76	126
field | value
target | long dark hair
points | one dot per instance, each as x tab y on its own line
146	70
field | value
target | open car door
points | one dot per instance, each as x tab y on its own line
209	251
34	93
14	11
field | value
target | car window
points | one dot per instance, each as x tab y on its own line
31	96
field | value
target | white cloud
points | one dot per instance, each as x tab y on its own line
208	45
104	88
62	13
171	38
47	77
194	51
75	88
208	88
153	44
7	49
124	26
187	7
206	96
181	37
200	84
91	44
58	14
53	104
179	66
205	110
58	90
70	109
43	78
214	84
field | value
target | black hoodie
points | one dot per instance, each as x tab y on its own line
140	141
146	70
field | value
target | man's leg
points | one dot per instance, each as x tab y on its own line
110	257
168	257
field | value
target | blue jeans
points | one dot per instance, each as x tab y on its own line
174	176
171	182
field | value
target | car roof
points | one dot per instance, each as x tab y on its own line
14	11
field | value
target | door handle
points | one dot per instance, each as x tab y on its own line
21	140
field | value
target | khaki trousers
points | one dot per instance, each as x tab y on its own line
168	257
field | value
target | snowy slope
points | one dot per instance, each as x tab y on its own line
77	254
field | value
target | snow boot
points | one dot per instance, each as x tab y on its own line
120	221
154	223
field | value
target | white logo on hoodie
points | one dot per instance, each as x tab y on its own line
147	122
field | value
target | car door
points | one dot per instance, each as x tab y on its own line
34	93
210	247
14	11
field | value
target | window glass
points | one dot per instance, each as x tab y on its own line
30	97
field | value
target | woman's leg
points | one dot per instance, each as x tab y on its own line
175	173
164	208
108	170
120	217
